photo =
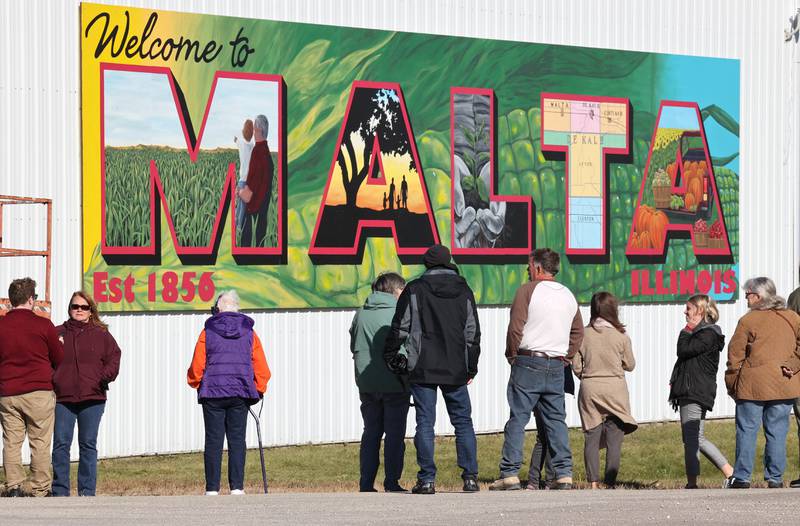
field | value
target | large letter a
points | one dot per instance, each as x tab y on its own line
375	183
679	190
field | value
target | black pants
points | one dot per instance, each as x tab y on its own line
540	457
225	417
383	413
261	220
610	432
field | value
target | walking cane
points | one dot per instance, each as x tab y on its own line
260	445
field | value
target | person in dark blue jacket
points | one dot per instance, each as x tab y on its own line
436	321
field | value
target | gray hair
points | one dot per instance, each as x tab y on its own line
262	124
548	259
388	282
765	288
228	301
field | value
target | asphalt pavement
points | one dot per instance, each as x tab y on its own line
514	507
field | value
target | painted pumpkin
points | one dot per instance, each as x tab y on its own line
658	228
644	240
641	220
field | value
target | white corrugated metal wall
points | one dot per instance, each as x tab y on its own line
312	397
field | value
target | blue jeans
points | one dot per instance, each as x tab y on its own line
241	206
225	417
750	415
456	398
87	415
383	413
536	383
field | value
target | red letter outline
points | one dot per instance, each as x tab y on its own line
493	196
605	152
314	250
228	188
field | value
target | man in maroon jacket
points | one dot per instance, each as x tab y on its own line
259	181
29	353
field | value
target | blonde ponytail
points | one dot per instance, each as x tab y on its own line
707	306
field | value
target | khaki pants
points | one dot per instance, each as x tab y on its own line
32	413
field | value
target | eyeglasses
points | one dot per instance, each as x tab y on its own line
748	294
78	306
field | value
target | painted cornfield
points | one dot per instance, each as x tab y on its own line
192	192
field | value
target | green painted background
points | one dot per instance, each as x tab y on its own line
319	63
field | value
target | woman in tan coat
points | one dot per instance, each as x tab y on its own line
763	363
603	399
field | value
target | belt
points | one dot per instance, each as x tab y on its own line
538	354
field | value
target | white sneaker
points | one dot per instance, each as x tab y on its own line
211	493
237	492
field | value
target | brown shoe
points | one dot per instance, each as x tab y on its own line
505	484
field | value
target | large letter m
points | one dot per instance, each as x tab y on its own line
150	155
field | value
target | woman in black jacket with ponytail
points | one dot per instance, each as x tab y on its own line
693	385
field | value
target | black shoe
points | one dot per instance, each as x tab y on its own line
397	488
561	485
423	488
14	492
795	483
367	490
734	483
774	484
471	485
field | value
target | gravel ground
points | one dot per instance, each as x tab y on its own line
516	507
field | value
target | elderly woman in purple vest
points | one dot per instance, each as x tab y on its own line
230	372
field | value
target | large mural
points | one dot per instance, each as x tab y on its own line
296	162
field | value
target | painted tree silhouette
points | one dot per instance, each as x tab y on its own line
373	112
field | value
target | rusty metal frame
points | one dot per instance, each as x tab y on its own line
7	200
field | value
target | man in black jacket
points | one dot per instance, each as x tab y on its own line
436	322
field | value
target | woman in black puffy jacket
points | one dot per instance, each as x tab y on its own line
693	385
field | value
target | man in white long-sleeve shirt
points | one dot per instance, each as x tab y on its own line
544	333
245	151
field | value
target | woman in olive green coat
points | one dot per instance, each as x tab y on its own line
384	398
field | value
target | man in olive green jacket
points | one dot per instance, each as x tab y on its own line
384	398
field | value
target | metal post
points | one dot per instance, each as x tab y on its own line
49	249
